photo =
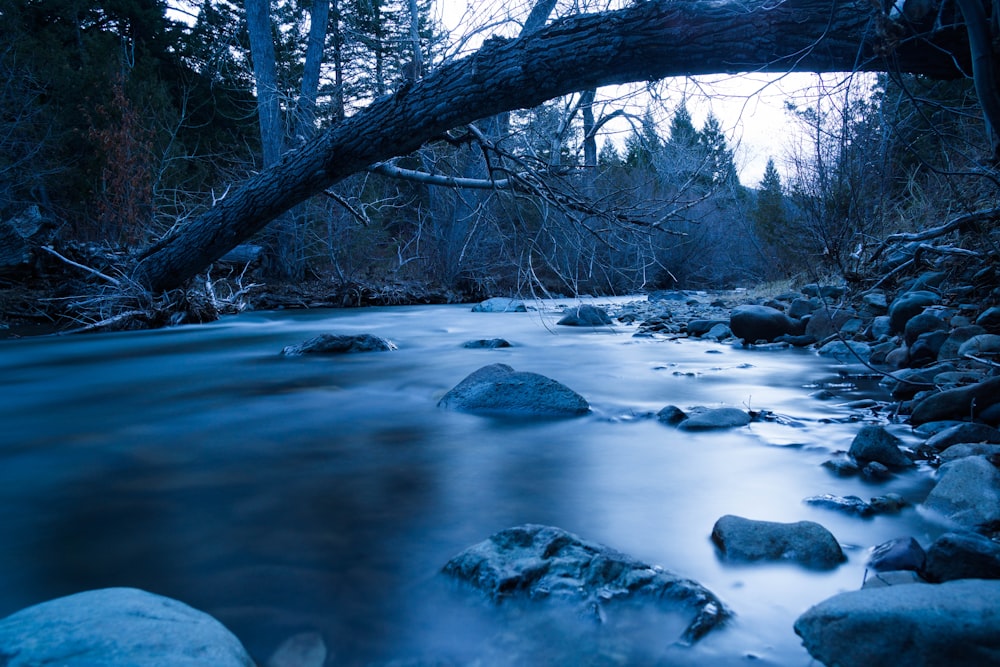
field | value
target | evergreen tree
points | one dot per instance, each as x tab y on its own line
682	131
718	165
768	214
642	146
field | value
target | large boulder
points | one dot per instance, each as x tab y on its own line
919	625
956	403
123	627
500	304
962	556
499	389
874	443
967	493
907	306
755	323
584	316
543	562
339	344
803	542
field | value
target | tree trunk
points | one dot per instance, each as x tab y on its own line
319	16
646	41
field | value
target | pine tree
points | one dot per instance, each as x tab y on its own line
718	165
769	215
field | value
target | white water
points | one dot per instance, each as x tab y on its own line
290	494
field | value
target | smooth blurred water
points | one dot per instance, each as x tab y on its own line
290	494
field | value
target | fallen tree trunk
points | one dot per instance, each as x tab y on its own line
648	41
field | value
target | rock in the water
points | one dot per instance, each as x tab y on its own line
584	316
117	626
874	443
962	556
957	403
968	433
487	343
967	492
543	562
943	625
964	449
846	504
500	304
907	306
902	553
306	649
755	323
848	352
339	344
499	389
671	414
715	418
701	327
803	542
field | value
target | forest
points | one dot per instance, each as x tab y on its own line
132	130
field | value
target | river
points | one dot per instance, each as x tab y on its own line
290	494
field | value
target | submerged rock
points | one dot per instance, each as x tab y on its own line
487	343
117	626
952	624
339	344
874	443
584	316
543	562
803	542
901	553
846	504
499	389
715	418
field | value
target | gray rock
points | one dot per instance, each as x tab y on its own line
339	344
944	625
876	302
719	332
848	352
874	471
799	308
306	649
962	556
846	504
891	578
966	449
890	502
880	327
967	493
981	345
487	343
803	542
500	304
117	626
921	324
715	418
907	306
901	553
584	316
542	562
952	344
827	321
701	327
874	443
966	432
927	347
499	389
956	403
842	466
671	414
755	323
990	319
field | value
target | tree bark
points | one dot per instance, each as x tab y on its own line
647	41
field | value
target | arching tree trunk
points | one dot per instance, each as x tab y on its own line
649	40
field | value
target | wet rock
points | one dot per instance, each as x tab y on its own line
799	308
306	649
848	352
891	578
584	316
889	503
715	418
117	626
760	323
907	306
880	327
719	332
874	471
967	493
874	443
904	384
960	433
926	347
898	358
339	344
499	389
827	321
487	343
966	449
901	553
962	556
980	346
842	466
803	542
921	324
990	319
952	624
500	304
952	344
699	328
956	403
543	562
671	415
876	302
846	504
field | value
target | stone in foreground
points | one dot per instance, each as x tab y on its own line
803	542
121	627
543	562
919	625
339	344
499	389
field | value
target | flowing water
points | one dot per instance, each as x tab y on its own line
293	494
